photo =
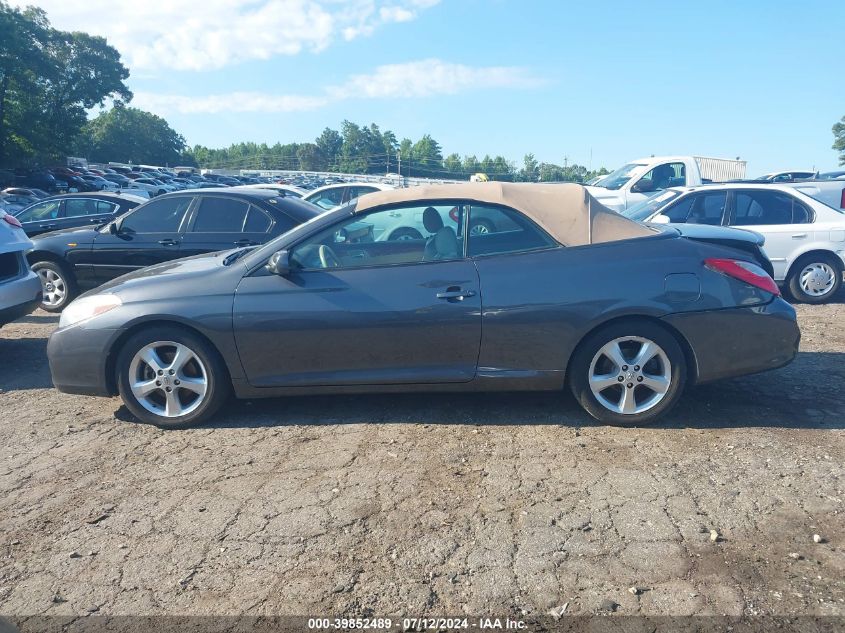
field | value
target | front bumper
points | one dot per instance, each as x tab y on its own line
79	359
19	297
739	341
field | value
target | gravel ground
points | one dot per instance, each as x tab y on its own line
427	504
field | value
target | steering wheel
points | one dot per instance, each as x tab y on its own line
328	258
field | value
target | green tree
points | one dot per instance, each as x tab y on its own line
49	79
310	157
530	171
132	135
839	139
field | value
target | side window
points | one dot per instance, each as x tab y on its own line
328	199
384	237
708	208
259	222
679	212
662	177
495	230
761	207
358	191
220	215
77	207
800	213
104	207
159	216
42	211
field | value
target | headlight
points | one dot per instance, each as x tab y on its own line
87	308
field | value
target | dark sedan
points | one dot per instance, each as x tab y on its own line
171	226
575	294
71	210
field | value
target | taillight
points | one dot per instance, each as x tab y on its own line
12	220
454	214
746	272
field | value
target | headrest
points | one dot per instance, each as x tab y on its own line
432	220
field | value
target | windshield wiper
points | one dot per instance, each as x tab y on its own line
233	257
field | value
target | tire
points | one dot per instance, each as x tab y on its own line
481	227
203	366
160	192
58	285
815	278
667	370
405	234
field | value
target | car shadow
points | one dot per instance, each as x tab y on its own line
805	394
44	318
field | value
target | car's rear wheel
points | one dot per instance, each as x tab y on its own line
171	377
481	227
628	373
815	279
405	234
58	286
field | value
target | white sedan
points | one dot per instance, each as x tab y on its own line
805	238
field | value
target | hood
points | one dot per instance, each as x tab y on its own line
197	275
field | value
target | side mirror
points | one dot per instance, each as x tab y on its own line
279	263
113	228
661	219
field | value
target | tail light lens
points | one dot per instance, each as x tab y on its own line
454	213
12	220
744	271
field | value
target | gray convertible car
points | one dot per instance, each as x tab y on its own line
571	294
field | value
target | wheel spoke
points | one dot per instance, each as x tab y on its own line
172	406
143	388
182	357
614	353
627	403
600	383
151	358
648	351
195	385
658	384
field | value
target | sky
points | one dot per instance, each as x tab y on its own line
596	83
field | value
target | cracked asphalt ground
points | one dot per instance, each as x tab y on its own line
427	504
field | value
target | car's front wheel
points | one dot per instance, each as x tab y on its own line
815	279
404	234
171	377
628	373
58	287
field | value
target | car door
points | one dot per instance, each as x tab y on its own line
778	216
40	217
353	311
85	212
221	223
149	234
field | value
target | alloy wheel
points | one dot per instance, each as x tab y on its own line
53	287
479	229
168	379
630	375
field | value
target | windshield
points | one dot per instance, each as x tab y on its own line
618	178
648	207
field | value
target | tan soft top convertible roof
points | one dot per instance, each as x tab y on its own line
566	211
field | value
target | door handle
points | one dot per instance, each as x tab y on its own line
46	226
168	242
455	294
799	236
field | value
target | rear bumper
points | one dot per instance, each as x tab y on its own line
19	297
78	359
739	341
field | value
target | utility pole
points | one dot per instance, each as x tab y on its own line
399	157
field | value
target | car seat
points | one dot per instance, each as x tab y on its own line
443	243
